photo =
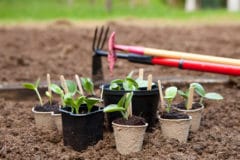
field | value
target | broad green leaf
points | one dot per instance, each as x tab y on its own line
113	108
91	102
88	85
29	86
122	101
128	99
183	94
130	85
72	87
114	86
213	96
80	101
199	89
118	81
56	89
170	92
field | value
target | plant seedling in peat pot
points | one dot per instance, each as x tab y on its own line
144	102
44	112
173	124
129	130
195	109
82	119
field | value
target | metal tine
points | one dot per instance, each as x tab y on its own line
94	39
105	37
100	37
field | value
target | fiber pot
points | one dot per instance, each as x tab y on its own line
196	115
57	120
128	138
82	130
176	128
144	104
43	120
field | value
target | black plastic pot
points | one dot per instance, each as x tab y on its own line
82	130
144	104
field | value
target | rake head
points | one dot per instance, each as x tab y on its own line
99	39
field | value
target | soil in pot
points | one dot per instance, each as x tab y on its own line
129	134
144	104
175	125
84	129
195	112
43	115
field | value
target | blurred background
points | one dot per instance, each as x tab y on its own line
32	10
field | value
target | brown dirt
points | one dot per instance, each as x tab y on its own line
29	53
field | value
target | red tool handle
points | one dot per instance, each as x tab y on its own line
198	66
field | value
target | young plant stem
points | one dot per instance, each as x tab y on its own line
190	98
169	102
201	101
161	95
141	71
149	87
49	89
39	97
64	84
79	84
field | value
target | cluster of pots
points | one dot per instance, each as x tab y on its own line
82	130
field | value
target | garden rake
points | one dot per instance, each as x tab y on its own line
136	58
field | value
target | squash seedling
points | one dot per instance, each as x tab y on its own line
203	94
88	85
34	86
123	106
170	94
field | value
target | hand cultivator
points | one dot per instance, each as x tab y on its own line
182	60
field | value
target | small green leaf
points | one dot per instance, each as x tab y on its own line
91	102
170	92
29	86
199	89
72	87
213	96
48	94
56	89
183	94
130	84
80	101
88	85
114	86
113	108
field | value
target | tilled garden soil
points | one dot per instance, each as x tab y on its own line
29	53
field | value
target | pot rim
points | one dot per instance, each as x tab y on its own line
175	120
191	110
130	126
51	112
81	115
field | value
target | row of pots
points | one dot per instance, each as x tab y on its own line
89	128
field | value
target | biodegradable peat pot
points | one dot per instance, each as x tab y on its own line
43	120
129	138
144	104
82	130
57	120
195	113
176	128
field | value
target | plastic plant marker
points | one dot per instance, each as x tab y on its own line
141	72
64	84
79	84
190	98
149	87
161	95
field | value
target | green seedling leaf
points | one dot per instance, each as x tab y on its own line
170	92
213	96
199	89
118	81
72	87
56	89
48	94
183	94
91	102
29	86
114	86
113	108
130	84
88	85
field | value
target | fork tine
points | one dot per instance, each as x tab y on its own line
100	37
105	37
94	39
